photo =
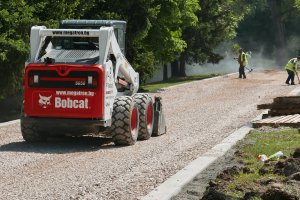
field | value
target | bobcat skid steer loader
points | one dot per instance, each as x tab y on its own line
78	82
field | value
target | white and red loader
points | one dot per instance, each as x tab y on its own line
78	82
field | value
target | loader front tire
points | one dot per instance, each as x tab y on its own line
125	121
145	107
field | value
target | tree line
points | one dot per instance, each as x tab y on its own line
158	31
272	28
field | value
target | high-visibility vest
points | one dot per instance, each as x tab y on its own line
243	59
292	65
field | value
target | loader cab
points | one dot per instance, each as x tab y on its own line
119	27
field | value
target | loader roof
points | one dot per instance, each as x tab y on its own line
118	25
95	24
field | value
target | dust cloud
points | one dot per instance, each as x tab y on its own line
257	62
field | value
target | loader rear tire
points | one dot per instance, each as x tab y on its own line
31	135
125	121
145	107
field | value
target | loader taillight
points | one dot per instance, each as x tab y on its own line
33	80
95	83
92	81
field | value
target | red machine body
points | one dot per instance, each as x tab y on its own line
64	91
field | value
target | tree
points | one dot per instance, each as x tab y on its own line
255	31
139	14
218	20
165	36
297	4
273	27
50	12
16	18
280	12
154	33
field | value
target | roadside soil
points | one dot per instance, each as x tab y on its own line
199	185
199	115
214	181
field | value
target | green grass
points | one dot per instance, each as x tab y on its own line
175	81
257	143
269	143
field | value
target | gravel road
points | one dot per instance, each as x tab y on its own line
199	115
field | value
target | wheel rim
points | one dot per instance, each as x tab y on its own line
149	116
134	121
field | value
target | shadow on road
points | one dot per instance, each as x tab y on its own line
61	145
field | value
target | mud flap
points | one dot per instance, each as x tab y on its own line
159	125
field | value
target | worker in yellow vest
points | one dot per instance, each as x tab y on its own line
291	68
242	59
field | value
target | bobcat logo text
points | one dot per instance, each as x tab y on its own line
70	103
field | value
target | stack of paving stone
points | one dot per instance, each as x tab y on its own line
284	111
286	105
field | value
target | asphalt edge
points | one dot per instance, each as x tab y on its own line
173	185
9	122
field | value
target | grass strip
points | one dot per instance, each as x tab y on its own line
174	81
256	143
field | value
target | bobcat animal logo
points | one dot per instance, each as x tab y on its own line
44	101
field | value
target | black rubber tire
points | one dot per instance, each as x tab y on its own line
31	135
121	130
143	101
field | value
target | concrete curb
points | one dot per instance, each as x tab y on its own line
172	186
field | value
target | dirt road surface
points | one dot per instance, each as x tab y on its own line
199	115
